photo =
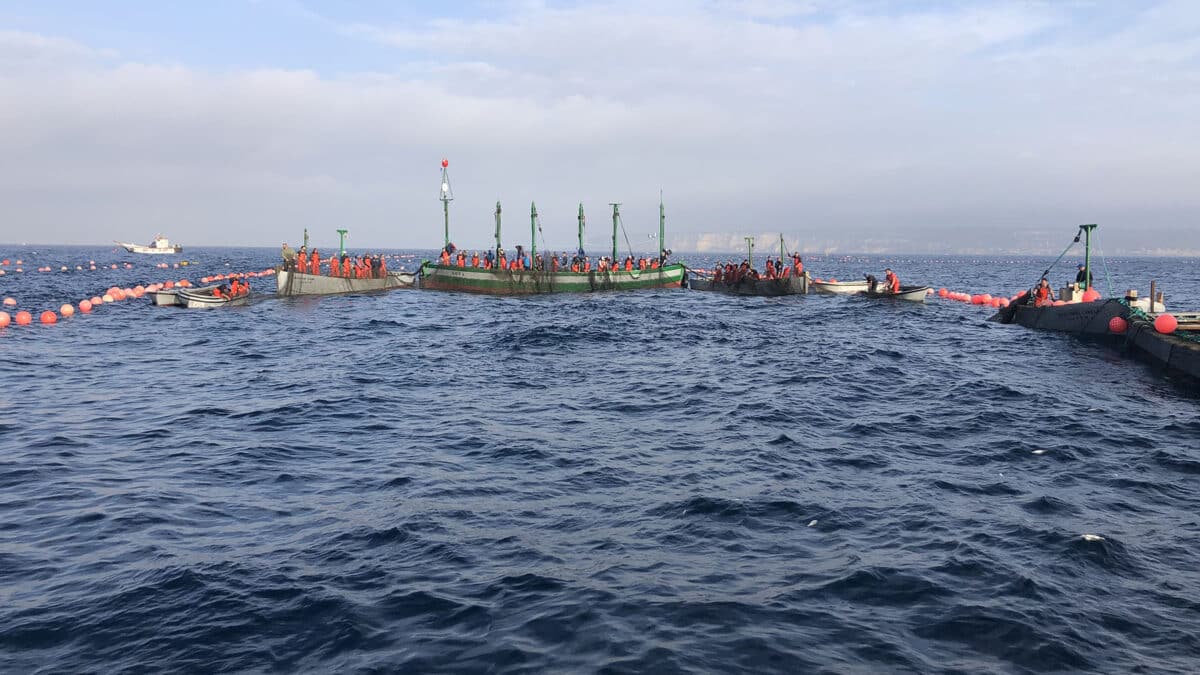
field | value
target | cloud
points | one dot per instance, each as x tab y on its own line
834	124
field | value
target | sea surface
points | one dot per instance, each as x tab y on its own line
646	482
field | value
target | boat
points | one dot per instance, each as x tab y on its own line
203	298
165	297
910	293
160	245
838	287
788	284
291	282
495	281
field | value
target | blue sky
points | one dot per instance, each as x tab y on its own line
854	126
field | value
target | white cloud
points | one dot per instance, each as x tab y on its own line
826	123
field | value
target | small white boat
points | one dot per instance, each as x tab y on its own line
203	298
838	287
910	293
160	245
165	297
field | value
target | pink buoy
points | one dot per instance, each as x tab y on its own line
66	310
23	318
1166	324
1004	302
106	297
5	319
97	301
10	302
1117	325
85	306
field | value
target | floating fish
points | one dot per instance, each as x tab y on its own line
1092	537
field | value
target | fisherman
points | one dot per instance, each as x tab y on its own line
347	269
302	261
487	260
474	258
289	257
461	259
797	265
1083	277
1042	294
501	260
333	265
382	266
314	266
891	280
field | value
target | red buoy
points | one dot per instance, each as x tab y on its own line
1091	295
1117	325
85	306
49	317
942	292
5	319
1166	324
24	318
445	163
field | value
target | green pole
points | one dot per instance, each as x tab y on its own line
1087	254
447	196
532	233
342	242
662	230
616	218
306	238
579	250
497	230
781	251
750	251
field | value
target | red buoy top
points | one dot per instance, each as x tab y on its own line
445	163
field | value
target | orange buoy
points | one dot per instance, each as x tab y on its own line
49	317
833	281
169	285
66	310
85	306
5	319
1091	295
1004	302
1166	323
942	292
1117	325
24	318
97	300
10	302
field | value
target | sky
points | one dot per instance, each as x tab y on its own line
868	127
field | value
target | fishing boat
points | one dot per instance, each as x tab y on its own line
291	282
544	278
203	298
838	287
789	284
160	245
167	296
909	293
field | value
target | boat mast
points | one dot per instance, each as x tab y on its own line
305	239
532	233
781	253
447	197
582	220
497	230
1087	255
342	242
616	218
750	251
662	230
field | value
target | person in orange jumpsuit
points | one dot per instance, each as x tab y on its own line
347	270
382	266
475	259
302	262
314	264
1043	295
891	280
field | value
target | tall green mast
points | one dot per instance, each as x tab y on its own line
447	197
532	233
497	229
1087	255
582	220
662	229
306	238
750	251
616	219
781	253
342	242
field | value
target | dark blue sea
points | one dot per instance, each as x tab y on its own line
647	482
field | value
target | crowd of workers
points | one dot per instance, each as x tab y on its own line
351	267
235	289
730	274
554	262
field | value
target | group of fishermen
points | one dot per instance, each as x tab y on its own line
351	267
555	262
235	289
730	274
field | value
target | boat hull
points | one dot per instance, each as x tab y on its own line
756	287
1085	318
165	298
202	298
909	293
151	250
531	282
291	283
839	287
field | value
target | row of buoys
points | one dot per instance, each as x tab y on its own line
984	299
113	294
236	275
1165	323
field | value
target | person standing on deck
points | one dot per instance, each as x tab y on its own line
1084	277
289	257
314	266
1043	295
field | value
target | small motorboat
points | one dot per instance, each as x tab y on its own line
838	287
204	298
910	293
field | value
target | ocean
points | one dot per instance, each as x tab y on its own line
655	481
